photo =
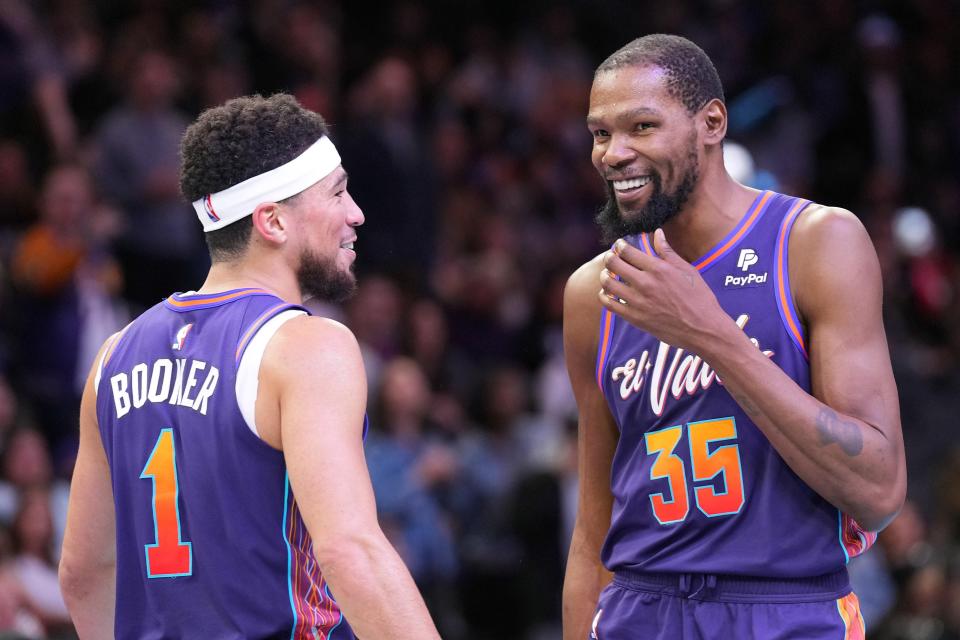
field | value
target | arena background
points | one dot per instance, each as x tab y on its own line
462	126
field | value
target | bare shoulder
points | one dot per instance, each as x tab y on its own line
309	342
581	312
832	259
820	227
583	285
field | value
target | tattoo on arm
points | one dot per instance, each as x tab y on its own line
845	433
746	404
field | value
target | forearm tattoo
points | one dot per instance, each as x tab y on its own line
845	433
746	404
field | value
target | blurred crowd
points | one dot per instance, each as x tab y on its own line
462	126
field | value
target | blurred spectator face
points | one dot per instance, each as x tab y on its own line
507	394
405	395
67	199
925	591
8	406
952	604
389	90
428	330
33	526
375	313
14	176
903	535
224	81
451	148
26	462
311	40
154	82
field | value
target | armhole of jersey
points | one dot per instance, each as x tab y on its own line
607	320
248	371
110	345
854	539
784	295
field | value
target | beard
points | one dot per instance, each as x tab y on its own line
660	206
320	277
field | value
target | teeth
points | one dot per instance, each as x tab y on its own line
623	185
347	245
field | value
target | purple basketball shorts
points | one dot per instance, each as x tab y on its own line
660	606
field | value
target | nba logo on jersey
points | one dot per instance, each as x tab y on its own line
208	207
748	258
181	337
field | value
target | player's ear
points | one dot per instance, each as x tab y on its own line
713	115
270	221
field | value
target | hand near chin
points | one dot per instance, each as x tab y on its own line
663	295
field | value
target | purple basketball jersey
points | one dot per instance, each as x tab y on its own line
697	487
210	542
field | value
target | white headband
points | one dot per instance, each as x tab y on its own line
219	209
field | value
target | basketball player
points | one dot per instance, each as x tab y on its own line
221	489
739	425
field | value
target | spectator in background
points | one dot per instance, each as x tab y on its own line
384	137
25	466
507	505
65	304
411	474
137	155
475	137
17	195
449	372
17	619
33	565
375	316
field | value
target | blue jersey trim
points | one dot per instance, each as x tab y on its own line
326	589
843	547
286	541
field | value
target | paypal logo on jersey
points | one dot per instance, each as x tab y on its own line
748	258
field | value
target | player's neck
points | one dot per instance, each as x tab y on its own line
711	212
226	276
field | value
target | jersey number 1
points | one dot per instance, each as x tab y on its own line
170	557
706	465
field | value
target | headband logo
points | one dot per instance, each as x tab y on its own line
208	207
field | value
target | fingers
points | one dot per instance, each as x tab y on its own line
612	288
633	255
615	266
614	303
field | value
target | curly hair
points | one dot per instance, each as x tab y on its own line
691	77
242	138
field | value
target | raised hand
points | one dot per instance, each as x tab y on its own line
664	296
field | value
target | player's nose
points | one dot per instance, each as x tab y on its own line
618	151
355	216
